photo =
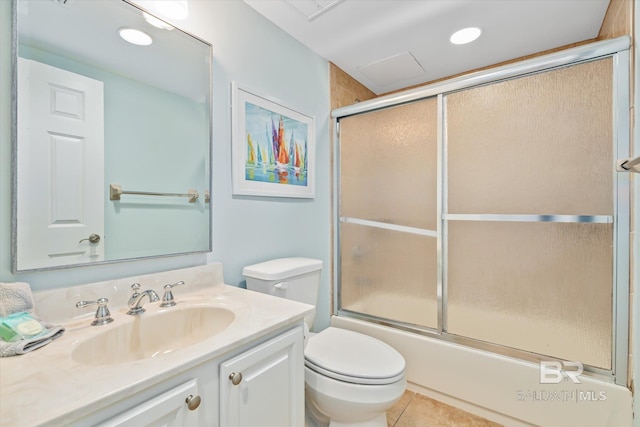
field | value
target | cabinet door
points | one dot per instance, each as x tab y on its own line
168	409
270	384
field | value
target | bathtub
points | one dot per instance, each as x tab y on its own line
500	388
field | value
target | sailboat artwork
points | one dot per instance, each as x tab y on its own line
273	147
276	147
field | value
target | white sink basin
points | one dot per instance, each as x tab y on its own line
153	334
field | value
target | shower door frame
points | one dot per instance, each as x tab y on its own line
618	50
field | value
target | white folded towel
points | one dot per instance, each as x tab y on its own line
14	298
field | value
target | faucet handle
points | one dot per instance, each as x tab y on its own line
103	316
167	298
174	284
135	289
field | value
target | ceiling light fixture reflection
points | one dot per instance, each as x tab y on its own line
158	23
135	36
465	35
172	9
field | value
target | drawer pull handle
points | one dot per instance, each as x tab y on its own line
235	377
193	402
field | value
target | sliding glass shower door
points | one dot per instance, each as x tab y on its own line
530	213
491	214
388	215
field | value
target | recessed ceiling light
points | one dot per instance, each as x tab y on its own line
465	35
173	9
135	36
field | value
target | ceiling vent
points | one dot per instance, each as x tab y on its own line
312	8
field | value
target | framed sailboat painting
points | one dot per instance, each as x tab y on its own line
273	147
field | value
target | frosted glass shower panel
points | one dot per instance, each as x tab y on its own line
388	165
539	144
389	274
539	287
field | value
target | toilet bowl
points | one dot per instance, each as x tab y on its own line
351	379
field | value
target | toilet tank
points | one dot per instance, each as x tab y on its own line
297	279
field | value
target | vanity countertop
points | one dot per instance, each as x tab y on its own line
47	387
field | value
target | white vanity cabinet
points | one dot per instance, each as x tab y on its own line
177	407
171	403
150	387
264	386
269	373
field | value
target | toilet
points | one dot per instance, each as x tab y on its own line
351	379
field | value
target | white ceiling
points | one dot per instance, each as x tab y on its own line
86	32
392	44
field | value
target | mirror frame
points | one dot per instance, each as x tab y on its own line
14	151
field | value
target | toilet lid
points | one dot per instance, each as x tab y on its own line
353	357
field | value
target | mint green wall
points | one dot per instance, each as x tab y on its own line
258	55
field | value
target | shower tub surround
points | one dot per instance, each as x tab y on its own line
48	387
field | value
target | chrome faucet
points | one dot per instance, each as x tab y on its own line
135	301
103	316
167	298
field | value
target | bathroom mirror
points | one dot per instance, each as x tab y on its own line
111	140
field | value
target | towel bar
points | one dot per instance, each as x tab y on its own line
115	191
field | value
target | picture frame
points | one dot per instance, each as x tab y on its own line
273	147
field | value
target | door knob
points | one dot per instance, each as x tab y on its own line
235	377
94	238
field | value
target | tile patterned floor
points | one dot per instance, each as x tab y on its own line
416	410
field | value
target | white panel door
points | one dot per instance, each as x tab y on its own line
60	167
264	386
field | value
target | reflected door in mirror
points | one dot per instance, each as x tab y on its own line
60	166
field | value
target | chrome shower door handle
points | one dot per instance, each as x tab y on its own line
94	238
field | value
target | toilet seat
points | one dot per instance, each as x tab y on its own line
353	357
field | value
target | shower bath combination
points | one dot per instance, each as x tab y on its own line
498	228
